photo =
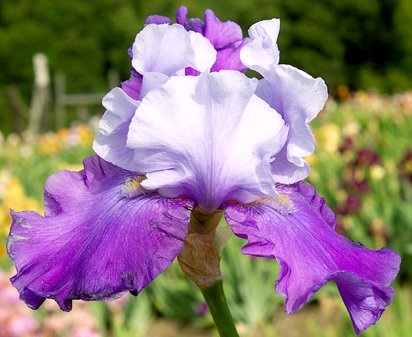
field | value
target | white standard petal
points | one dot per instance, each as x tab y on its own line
298	97
110	141
262	53
119	109
208	137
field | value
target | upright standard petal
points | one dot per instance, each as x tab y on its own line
297	229
160	51
262	53
298	97
110	141
207	137
101	236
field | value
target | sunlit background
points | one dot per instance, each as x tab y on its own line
58	59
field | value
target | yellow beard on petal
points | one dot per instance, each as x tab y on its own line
132	187
282	203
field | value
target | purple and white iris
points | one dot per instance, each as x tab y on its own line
190	130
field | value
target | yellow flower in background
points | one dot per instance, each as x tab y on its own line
70	167
12	195
49	143
328	137
63	134
86	134
377	172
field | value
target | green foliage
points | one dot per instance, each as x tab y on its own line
362	44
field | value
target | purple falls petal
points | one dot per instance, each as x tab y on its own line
297	229
100	236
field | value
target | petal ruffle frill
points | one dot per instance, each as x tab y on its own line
297	229
162	50
101	236
298	97
110	141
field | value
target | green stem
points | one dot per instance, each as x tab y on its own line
216	300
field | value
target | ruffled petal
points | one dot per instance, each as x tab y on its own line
221	34
166	49
298	230
208	137
101	236
110	141
298	97
262	52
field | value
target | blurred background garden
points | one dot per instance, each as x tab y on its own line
58	58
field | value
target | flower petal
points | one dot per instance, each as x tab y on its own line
167	49
195	25
110	142
298	97
101	236
262	53
157	19
229	57
133	85
162	50
221	34
297	230
208	136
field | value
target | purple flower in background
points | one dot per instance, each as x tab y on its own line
216	141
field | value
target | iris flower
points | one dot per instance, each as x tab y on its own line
190	132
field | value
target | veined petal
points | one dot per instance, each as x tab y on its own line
298	97
101	236
208	136
262	52
298	230
110	142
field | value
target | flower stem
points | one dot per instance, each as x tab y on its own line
216	300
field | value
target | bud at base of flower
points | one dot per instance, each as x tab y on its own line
200	256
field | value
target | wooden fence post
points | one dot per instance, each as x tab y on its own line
41	94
